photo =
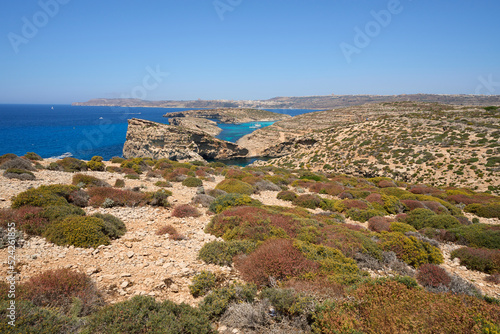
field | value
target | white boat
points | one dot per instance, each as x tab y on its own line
101	118
52	108
255	126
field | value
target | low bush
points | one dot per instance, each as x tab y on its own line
41	197
58	288
159	198
57	213
192	182
216	192
69	164
227	201
476	235
275	259
172	232
495	278
119	183
20	174
391	307
235	186
430	275
491	210
202	284
132	176
142	314
79	198
83	180
379	224
363	215
410	249
113	226
440	222
79	231
109	197
392	204
33	156
480	259
203	200
163	184
217	301
185	210
264	185
307	201
417	217
117	160
286	195
27	219
97	166
287	302
18	163
222	252
401	227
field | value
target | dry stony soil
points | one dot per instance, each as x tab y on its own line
143	263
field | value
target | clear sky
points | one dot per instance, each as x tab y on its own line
62	51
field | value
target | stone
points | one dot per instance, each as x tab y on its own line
92	270
174	288
130	254
124	284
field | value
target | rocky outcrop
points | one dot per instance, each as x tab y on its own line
198	124
232	115
156	140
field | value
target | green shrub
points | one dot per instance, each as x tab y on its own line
33	156
202	283
410	249
132	177
308	201
481	259
97	166
192	182
401	227
491	210
113	226
417	217
363	215
40	197
288	302
56	213
69	164
117	160
392	204
335	265
217	301
224	202
163	184
235	186
286	195
476	235
119	183
222	252
440	222
33	319
20	174
88	180
159	198
78	231
142	314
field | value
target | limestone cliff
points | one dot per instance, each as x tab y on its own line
198	124
156	140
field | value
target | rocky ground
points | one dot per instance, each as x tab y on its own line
142	262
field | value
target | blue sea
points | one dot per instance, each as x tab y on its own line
83	132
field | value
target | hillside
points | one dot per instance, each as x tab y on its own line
414	142
136	245
301	102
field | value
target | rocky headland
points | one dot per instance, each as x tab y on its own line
232	115
198	124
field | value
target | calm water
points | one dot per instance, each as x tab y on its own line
82	132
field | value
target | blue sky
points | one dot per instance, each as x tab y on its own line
243	49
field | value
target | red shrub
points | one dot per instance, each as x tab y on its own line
481	259
185	210
235	174
462	199
354	227
354	203
118	196
375	198
386	184
436	207
401	217
172	231
424	190
326	188
430	275
321	288
200	173
413	204
27	219
275	258
379	224
57	288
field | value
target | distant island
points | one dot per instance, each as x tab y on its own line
232	115
302	102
